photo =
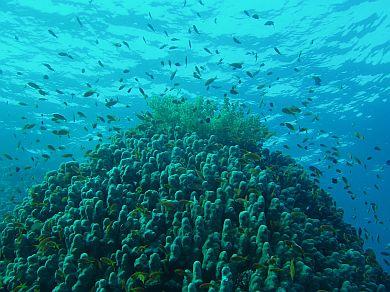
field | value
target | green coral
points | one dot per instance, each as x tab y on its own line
228	122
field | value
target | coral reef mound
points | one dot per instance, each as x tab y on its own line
167	208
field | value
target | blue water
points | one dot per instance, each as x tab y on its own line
344	43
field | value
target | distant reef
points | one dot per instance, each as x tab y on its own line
188	200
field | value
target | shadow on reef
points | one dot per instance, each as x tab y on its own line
186	201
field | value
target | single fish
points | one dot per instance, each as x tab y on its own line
209	81
89	93
59	117
111	102
126	44
196	29
48	67
79	21
151	27
33	85
28	126
277	50
236	65
236	40
173	75
208	51
290	126
317	80
52	33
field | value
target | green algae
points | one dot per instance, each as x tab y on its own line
231	122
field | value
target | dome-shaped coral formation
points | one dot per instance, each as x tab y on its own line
161	209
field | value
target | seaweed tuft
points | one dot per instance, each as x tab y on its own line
230	122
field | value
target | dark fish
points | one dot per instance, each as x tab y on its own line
317	80
42	92
28	126
150	75
79	21
111	102
142	92
247	13
236	65
163	46
151	27
59	117
334	180
290	126
126	44
233	90
89	93
197	70
209	81
236	40
81	114
8	156
315	170
255	16
173	75
196	29
277	50
189	44
45	156
100	63
291	110
52	33
208	51
51	147
61	132
48	67
388	162
269	22
33	85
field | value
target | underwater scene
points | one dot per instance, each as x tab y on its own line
194	145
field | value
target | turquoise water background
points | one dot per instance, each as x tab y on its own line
92	45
